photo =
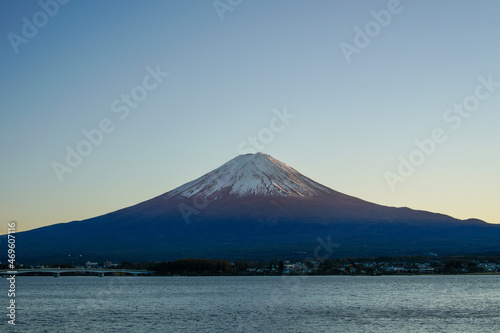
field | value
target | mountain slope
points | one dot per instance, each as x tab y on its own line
255	207
252	174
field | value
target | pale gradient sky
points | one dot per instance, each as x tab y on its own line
353	120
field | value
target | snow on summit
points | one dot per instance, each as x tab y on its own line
252	174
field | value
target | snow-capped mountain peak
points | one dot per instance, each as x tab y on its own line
252	174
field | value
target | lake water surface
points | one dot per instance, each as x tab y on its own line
255	304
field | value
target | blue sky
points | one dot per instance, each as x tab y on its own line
352	120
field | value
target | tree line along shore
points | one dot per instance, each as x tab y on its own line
343	266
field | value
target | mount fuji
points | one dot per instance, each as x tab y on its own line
256	207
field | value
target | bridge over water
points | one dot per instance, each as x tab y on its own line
58	271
